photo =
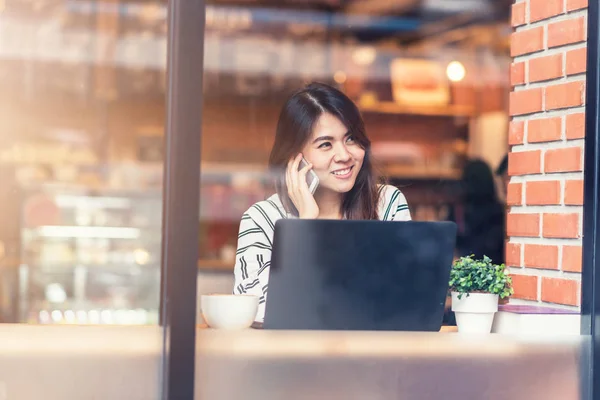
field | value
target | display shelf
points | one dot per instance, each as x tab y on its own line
419	173
86	252
389	107
216	265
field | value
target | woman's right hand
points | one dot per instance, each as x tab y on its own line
297	189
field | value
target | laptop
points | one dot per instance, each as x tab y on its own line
359	275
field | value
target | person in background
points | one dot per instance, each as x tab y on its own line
502	173
480	215
324	126
480	219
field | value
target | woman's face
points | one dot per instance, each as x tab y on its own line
336	157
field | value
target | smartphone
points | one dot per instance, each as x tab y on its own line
311	178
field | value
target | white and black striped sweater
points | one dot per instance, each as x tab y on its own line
255	240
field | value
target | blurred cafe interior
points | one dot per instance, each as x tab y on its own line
82	117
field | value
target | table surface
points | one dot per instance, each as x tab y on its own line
118	362
444	329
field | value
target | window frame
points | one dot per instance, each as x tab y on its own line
186	19
590	276
181	193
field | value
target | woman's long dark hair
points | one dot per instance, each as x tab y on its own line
295	127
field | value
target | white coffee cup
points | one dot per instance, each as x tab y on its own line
229	311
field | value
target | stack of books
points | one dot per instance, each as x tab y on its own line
536	320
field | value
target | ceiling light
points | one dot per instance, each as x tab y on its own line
364	56
455	71
340	77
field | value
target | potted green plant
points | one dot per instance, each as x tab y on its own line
476	286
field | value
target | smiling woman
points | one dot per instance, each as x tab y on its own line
322	125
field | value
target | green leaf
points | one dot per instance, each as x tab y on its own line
470	275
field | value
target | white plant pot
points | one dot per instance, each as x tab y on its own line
475	311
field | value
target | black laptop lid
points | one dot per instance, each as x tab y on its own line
359	275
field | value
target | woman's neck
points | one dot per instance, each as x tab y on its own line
330	204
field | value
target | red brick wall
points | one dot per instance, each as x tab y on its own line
545	193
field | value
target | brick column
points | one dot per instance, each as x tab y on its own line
545	193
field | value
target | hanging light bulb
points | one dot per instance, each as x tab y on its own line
455	71
340	77
364	55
